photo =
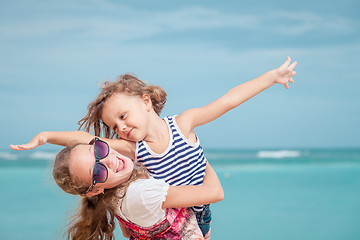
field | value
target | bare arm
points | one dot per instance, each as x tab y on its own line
124	230
57	138
68	138
190	195
195	117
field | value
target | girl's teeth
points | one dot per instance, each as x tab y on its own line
117	164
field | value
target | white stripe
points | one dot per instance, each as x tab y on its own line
175	165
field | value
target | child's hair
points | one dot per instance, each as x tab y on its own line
126	84
95	218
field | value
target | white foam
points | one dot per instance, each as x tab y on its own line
43	155
230	156
279	154
8	156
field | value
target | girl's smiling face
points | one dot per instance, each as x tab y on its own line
82	161
127	115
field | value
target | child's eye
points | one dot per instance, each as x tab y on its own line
114	129
122	117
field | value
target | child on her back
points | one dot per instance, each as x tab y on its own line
169	147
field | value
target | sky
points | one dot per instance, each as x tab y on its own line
55	54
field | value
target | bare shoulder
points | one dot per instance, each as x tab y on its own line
184	119
185	122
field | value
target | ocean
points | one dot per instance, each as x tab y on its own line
299	194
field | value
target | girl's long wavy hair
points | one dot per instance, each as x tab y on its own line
126	84
95	218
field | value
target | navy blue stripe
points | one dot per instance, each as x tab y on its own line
174	172
195	174
184	176
182	164
166	173
191	155
185	153
176	143
176	169
171	162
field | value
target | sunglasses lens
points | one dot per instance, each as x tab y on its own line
100	173
101	149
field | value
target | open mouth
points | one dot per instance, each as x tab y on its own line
120	165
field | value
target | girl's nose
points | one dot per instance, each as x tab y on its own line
106	161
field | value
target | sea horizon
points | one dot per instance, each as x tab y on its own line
283	193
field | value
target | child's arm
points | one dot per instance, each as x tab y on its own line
68	138
195	117
190	195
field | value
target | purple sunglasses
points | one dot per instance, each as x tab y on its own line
100	171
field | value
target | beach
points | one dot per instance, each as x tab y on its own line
269	194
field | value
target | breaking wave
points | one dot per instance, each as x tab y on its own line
8	156
43	155
279	154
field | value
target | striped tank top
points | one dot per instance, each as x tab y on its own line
182	163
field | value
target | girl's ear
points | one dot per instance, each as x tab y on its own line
94	192
147	100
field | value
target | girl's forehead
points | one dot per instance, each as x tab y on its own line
122	96
116	99
119	102
81	162
83	151
118	95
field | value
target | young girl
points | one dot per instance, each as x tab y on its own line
169	147
112	186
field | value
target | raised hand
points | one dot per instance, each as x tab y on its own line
284	74
38	140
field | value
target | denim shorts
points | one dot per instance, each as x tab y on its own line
204	219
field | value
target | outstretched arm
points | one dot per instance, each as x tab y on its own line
68	138
189	195
57	138
195	117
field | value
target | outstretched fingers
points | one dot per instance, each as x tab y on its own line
292	72
35	142
287	62
21	147
16	147
293	65
286	72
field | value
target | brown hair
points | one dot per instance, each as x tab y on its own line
95	218
127	84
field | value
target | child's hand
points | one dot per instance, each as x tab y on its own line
283	74
38	140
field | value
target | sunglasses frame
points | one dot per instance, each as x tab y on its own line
97	161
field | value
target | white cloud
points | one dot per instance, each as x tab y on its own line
300	23
120	22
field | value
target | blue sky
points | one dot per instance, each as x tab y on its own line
54	54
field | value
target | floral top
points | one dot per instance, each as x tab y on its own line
179	224
140	211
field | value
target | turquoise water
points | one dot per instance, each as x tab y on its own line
297	194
